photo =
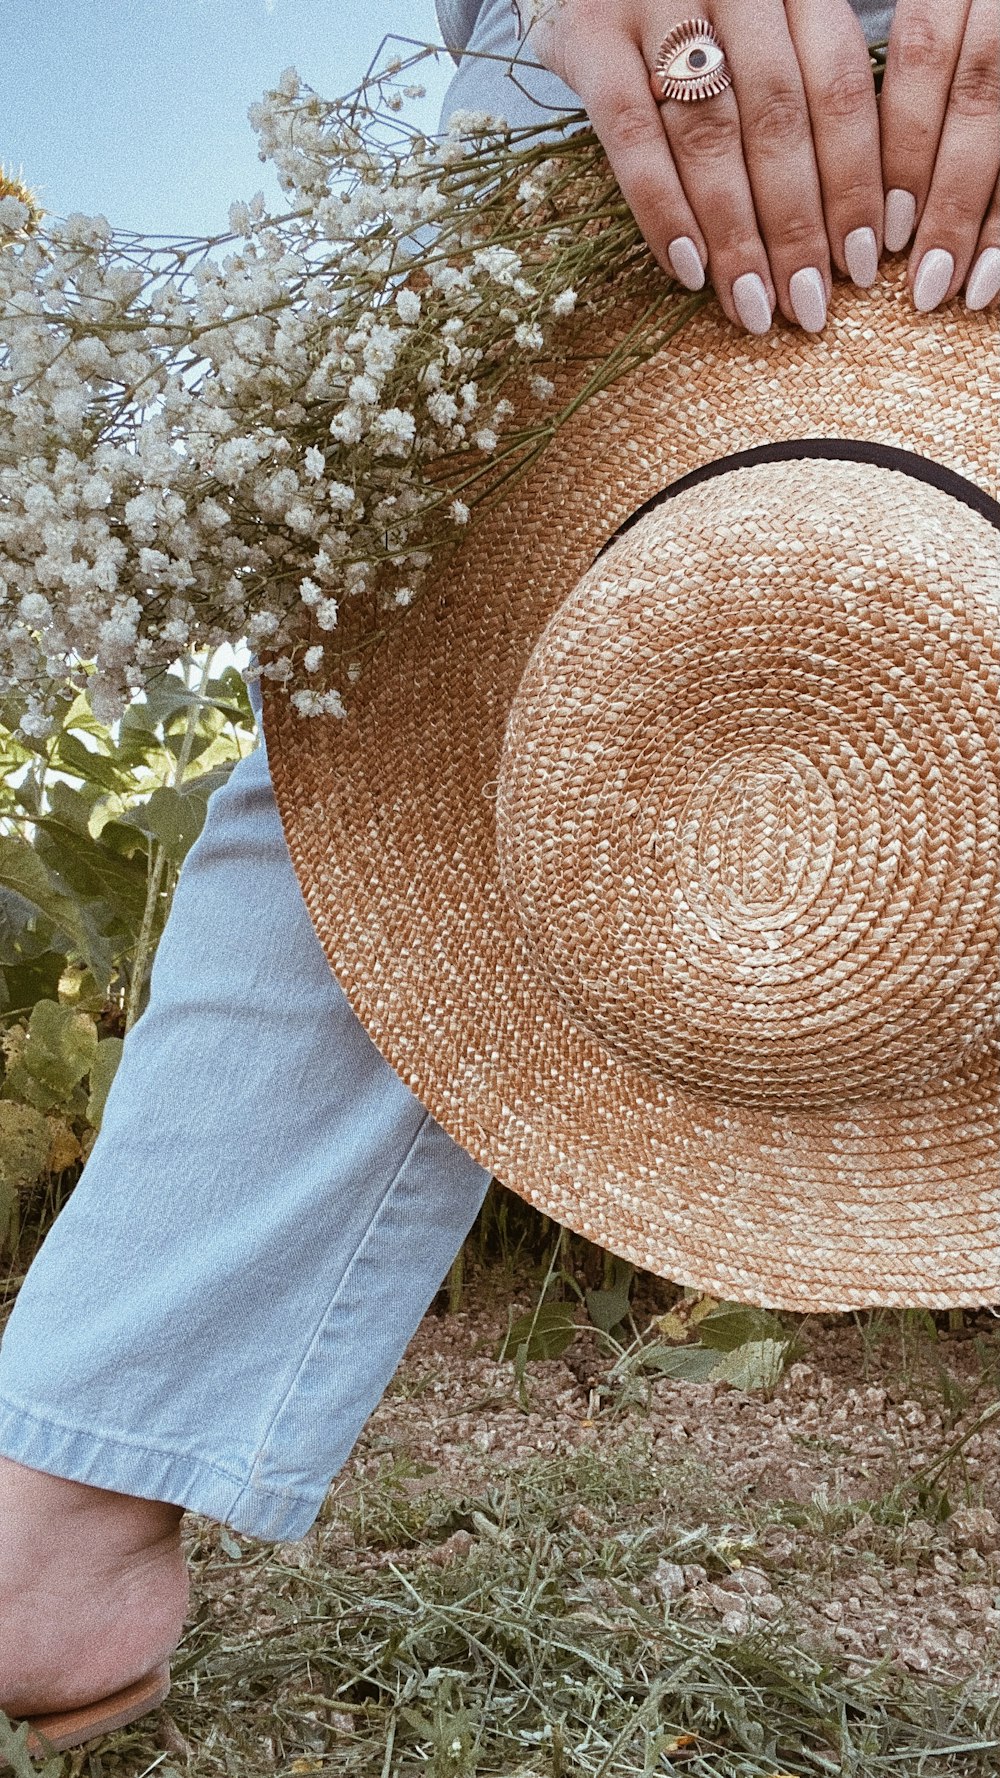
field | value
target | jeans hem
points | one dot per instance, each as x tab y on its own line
105	1462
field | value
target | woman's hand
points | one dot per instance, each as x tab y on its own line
761	184
940	116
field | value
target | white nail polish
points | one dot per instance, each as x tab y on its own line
752	304
984	279
686	262
861	254
900	215
934	274
808	298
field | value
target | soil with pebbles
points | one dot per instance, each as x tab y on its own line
787	1480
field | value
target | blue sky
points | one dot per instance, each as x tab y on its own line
137	108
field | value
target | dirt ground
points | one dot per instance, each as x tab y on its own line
799	1489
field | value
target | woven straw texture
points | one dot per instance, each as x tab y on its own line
667	877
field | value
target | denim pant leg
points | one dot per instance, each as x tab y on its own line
263	1221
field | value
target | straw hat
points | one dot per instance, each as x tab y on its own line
660	852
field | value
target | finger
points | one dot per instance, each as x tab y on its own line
924	44
983	287
840	93
778	148
612	81
707	146
966	167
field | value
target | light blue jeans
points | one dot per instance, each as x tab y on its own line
267	1211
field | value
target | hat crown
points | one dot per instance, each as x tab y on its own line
748	810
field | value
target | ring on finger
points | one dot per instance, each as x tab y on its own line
690	64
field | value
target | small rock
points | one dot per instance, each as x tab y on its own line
834	1610
799	1378
668	1579
694	1575
751	1581
768	1606
976	1528
454	1548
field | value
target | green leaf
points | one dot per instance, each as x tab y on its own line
102	1072
735	1324
687	1364
24	871
24	1144
24	932
756	1365
609	1306
60	1049
109	889
70	755
546	1331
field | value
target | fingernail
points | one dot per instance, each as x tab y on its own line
752	303
900	215
686	262
984	279
808	297
861	254
934	274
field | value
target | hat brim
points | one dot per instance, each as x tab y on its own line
389	818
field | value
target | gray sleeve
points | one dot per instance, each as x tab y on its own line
457	19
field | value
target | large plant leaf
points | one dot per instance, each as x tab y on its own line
24	871
546	1331
687	1364
736	1324
609	1306
24	932
102	1072
70	755
60	1049
112	887
176	816
756	1365
25	1139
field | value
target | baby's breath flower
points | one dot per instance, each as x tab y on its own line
529	335
272	456
408	306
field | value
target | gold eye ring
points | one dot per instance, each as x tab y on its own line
691	64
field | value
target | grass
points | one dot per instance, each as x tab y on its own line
518	1632
540	1649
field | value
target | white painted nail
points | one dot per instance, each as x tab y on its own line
808	297
934	274
900	215
984	279
752	304
861	254
686	262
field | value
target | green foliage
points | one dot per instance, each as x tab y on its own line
95	824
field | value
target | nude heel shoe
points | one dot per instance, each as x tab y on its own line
71	1728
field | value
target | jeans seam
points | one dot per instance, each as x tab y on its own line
332	1301
157	1450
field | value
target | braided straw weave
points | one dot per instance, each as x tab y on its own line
667	874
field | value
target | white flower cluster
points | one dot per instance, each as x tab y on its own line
223	440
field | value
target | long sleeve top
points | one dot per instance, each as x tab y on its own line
483	83
457	19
